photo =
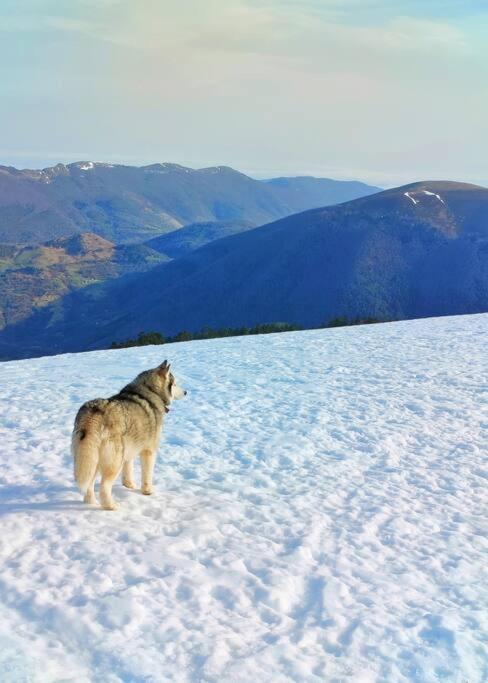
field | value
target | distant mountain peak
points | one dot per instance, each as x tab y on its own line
166	167
58	169
213	170
89	165
439	185
427	190
436	203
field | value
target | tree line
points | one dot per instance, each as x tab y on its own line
155	338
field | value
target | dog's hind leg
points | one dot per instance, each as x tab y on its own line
111	460
147	465
128	474
109	475
90	492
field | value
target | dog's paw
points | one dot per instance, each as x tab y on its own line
129	484
147	490
90	499
110	506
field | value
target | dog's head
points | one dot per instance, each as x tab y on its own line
165	383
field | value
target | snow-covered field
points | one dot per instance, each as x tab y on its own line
318	515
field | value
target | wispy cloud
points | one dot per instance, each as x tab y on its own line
383	85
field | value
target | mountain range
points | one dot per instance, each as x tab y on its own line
419	250
69	226
132	204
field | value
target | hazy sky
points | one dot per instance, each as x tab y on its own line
386	91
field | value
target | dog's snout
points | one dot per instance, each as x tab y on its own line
185	392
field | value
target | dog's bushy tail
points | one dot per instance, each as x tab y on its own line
85	442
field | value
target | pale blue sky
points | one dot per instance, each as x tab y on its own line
386	91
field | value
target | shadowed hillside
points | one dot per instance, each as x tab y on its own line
180	242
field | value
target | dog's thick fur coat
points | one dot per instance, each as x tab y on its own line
109	433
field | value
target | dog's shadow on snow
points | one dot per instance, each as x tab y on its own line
17	499
59	498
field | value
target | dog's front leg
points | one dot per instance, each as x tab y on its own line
128	475
147	465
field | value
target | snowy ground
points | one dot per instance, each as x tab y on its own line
318	514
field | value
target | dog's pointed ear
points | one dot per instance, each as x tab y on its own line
163	369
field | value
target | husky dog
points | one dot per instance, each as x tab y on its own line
110	432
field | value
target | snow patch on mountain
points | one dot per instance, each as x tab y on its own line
412	199
433	194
